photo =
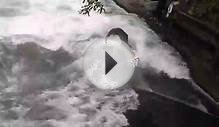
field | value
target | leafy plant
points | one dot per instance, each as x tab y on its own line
206	10
95	5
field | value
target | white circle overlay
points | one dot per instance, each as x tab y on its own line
94	63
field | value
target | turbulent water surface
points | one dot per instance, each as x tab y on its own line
42	83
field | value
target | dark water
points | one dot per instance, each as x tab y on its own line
158	111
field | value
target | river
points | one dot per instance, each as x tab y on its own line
42	83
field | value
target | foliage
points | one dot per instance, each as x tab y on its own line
95	5
206	10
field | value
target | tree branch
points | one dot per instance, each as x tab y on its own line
94	5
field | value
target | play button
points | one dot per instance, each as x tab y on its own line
108	65
109	62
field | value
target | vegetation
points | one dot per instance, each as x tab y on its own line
95	5
206	10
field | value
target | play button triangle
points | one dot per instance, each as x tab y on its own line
109	63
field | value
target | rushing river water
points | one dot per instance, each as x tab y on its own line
42	83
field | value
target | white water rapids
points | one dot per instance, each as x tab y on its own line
42	83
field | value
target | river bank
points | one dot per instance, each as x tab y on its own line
201	56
